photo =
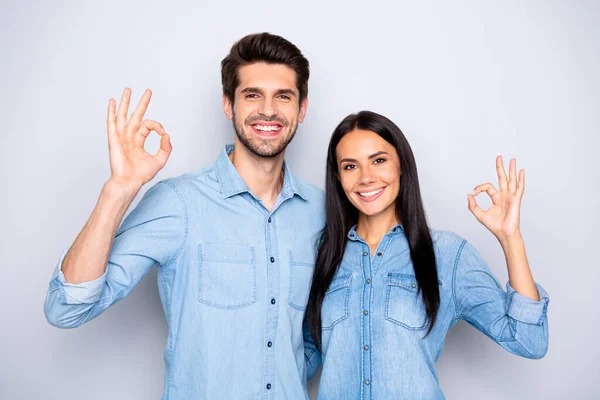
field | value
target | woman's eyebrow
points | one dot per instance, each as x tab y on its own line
379	153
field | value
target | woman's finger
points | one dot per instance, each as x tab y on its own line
502	179
512	176
521	184
474	208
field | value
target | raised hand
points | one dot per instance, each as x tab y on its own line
502	218
130	163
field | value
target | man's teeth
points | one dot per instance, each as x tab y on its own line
267	128
369	194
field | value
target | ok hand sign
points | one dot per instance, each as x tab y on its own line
502	218
130	163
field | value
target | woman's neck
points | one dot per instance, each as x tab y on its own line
373	228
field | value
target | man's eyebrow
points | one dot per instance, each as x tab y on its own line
379	153
251	89
290	92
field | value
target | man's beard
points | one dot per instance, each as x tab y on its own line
264	147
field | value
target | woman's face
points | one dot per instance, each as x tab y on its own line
369	171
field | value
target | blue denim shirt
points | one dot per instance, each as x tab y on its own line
233	280
374	325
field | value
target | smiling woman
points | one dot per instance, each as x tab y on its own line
384	281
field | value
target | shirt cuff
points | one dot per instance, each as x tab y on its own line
78	293
525	309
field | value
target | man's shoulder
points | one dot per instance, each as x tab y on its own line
311	192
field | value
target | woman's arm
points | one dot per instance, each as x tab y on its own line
502	219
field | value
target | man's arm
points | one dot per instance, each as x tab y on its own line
131	167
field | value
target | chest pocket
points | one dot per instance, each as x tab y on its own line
226	275
301	272
335	303
403	305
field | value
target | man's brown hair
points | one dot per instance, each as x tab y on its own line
267	48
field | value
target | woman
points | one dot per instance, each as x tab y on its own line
386	288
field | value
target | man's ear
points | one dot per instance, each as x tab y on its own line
303	108
227	107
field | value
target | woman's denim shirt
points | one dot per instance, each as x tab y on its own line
374	343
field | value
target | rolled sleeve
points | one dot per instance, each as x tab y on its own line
78	293
525	309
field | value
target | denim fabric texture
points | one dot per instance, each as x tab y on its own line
374	321
233	280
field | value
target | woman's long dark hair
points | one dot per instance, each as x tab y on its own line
342	215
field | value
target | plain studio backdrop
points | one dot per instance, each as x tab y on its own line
464	80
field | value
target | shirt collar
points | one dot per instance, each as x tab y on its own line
231	182
394	230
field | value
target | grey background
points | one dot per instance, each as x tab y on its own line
464	80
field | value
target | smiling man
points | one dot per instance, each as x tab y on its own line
233	243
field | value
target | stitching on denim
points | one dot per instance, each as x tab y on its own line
477	325
387	317
245	303
348	281
170	335
291	285
456	261
176	256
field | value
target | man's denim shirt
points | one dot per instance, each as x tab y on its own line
373	321
233	279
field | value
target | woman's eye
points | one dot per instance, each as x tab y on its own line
379	161
349	166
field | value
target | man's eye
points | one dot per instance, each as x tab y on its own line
251	96
284	97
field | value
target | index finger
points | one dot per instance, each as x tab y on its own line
502	179
140	110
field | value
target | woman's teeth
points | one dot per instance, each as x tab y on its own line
370	194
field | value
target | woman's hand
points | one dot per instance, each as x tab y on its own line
502	218
131	165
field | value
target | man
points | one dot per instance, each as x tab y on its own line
234	243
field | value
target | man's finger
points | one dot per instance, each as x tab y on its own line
140	110
123	108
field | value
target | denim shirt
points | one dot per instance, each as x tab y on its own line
374	322
233	280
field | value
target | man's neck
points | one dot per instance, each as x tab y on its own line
262	175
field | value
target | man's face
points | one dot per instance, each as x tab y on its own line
267	110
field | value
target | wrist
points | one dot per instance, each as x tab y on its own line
511	241
121	189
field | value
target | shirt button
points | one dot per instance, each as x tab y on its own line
366	312
270	344
366	347
365	254
414	285
268	386
367	382
269	219
380	254
272	301
368	280
272	259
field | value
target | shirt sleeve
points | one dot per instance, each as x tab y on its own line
154	233
516	322
312	356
